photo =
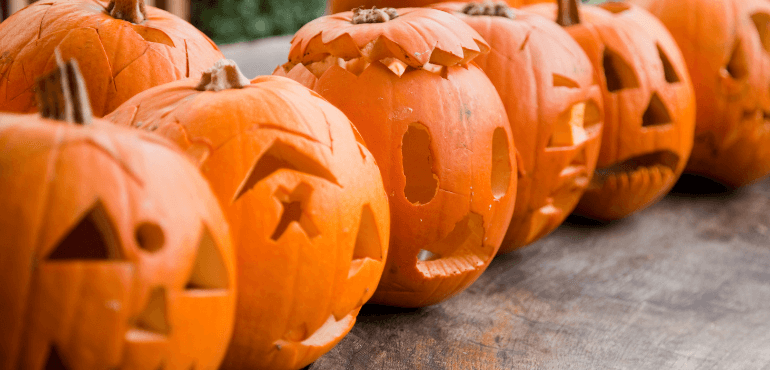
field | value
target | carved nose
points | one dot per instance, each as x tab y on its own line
656	114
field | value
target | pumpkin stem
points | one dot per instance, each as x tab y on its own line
128	10
223	75
568	13
62	96
373	15
495	9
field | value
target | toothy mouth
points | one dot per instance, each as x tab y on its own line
756	115
656	165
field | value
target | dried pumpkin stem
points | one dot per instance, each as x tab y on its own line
128	10
61	94
568	13
223	75
490	8
373	15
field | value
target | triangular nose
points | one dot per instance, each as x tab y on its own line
154	316
656	113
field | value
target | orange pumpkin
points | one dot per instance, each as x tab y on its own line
337	6
726	44
554	106
121	57
438	130
649	104
305	200
114	252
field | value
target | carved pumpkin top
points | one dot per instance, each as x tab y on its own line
416	37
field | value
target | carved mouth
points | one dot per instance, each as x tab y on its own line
657	165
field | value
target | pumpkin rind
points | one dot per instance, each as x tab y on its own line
120	59
724	43
546	83
305	201
337	6
649	116
437	131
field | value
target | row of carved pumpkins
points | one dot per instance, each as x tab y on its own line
284	176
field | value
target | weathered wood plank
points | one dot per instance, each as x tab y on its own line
684	284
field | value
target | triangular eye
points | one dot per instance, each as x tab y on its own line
668	68
92	238
762	23
282	156
54	361
737	67
367	241
154	316
656	113
209	270
618	72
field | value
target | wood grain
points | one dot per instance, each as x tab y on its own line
684	284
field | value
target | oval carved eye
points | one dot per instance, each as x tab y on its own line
417	157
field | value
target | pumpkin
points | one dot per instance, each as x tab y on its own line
436	127
649	104
303	196
125	47
115	253
554	107
726	45
337	6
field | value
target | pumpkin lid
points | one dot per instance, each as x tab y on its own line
415	36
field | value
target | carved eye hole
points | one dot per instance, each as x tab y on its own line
417	160
762	23
737	67
564	81
149	236
668	68
501	163
618	72
367	241
569	128
92	238
54	361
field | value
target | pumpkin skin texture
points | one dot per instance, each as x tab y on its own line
438	130
337	6
305	201
118	253
120	59
725	44
649	107
554	105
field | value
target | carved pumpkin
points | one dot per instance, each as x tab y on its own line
114	252
438	130
726	44
133	49
303	196
553	102
649	104
337	6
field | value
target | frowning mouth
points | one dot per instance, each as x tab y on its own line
656	165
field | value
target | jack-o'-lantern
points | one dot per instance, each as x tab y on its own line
726	44
124	46
336	6
114	251
438	130
649	104
304	199
553	102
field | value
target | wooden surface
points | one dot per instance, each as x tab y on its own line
684	284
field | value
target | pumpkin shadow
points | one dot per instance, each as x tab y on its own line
375	312
696	186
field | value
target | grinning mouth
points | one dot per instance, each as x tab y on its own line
658	164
